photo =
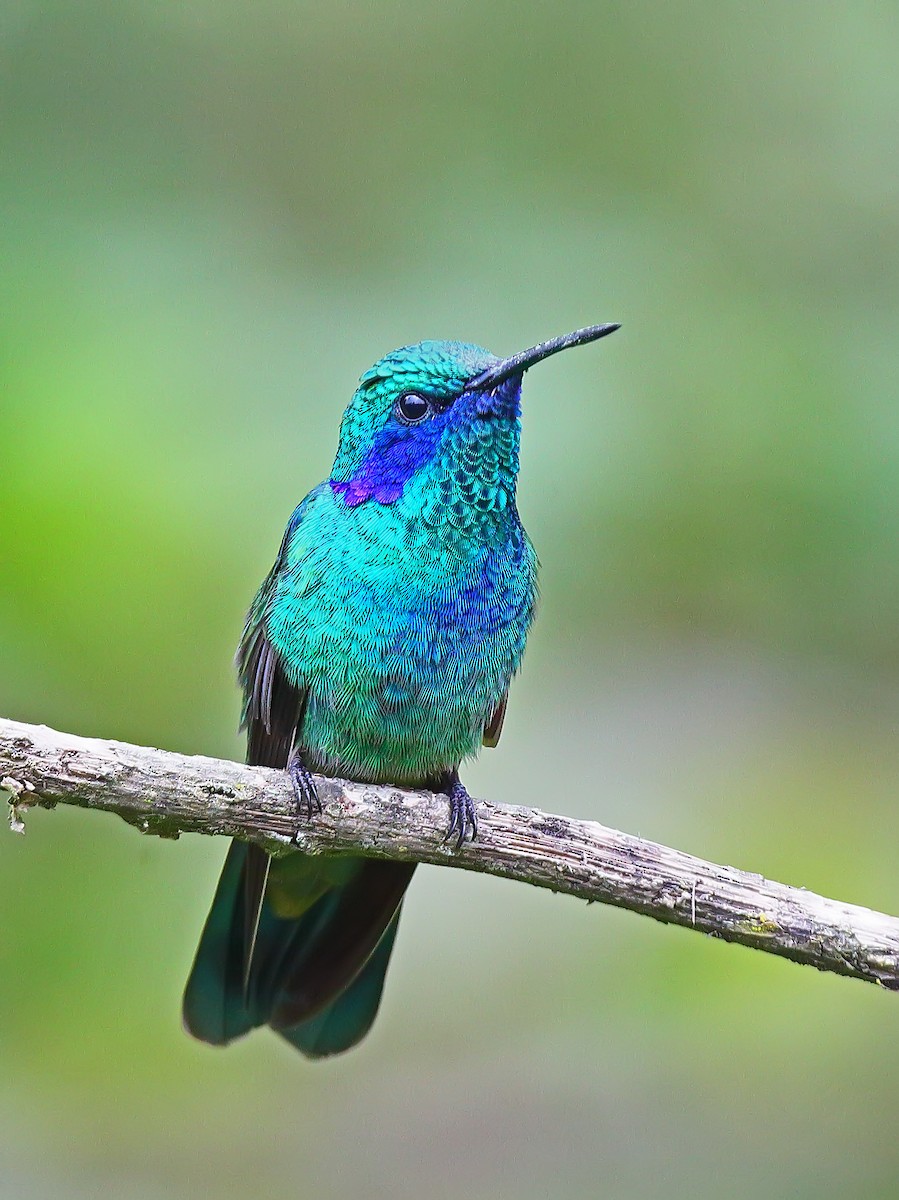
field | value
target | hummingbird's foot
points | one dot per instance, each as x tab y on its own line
308	803
462	815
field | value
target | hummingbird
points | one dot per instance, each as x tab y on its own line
379	648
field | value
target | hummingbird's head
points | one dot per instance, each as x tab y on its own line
441	416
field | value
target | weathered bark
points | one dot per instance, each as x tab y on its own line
170	794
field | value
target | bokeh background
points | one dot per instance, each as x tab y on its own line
215	215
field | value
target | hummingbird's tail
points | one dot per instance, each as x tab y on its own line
325	933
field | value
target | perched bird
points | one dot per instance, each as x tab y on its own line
379	648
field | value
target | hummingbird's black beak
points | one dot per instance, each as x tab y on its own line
519	363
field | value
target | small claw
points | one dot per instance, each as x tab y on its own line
462	814
305	794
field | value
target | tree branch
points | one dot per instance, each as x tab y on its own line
170	794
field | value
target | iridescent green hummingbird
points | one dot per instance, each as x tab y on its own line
380	648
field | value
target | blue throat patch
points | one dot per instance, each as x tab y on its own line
398	451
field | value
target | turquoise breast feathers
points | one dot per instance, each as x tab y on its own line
403	639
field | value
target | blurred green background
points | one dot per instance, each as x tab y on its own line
215	216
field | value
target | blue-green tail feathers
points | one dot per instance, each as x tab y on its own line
347	1019
214	1009
317	979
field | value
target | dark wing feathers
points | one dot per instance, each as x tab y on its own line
273	709
494	726
273	706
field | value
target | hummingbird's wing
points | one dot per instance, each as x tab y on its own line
272	712
273	709
494	726
273	706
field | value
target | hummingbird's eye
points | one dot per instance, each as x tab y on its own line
412	408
